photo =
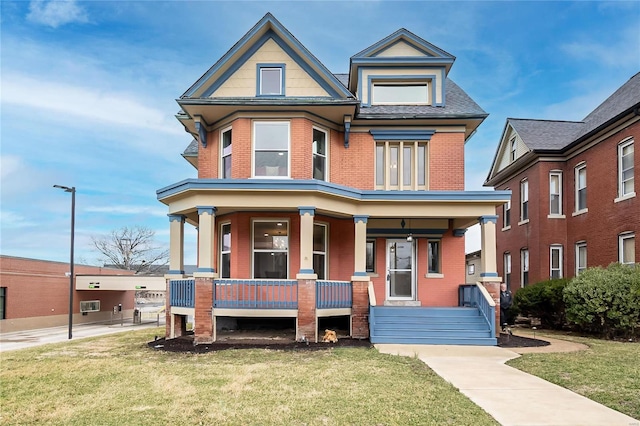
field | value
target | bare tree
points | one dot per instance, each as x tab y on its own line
133	249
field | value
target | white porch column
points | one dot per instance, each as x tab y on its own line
306	243
488	260
206	240
360	248
176	244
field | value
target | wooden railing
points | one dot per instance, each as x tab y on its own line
477	296
182	293
255	294
333	294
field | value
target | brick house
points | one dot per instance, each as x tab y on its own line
321	194
574	201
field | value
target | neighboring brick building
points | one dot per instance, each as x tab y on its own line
35	294
574	201
318	193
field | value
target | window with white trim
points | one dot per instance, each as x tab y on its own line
401	165
90	306
555	193
512	149
225	250
524	200
555	261
271	80
320	250
581	257
270	249
627	248
434	254
471	268
507	269
400	93
581	187
625	169
506	213
319	154
524	267
225	155
271	149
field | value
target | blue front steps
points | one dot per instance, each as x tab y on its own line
429	326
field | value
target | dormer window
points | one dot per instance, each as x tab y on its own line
401	93
270	80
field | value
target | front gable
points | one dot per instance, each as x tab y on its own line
510	149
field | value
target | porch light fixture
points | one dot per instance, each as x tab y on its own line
72	190
409	237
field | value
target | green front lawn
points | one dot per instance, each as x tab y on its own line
608	372
117	380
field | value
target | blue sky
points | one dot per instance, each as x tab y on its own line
88	91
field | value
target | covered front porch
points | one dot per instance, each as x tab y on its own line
308	250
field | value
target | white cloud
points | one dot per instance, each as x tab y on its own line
14	220
56	13
85	102
620	50
129	209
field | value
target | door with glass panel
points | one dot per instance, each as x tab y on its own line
400	270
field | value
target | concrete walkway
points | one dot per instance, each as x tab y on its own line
511	396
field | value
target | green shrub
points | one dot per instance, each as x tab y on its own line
605	301
543	300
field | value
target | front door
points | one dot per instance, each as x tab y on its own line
400	273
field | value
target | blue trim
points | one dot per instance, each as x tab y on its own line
202	133
402	135
360	274
431	80
398	231
459	232
270	34
488	218
488	274
206	209
311	185
399	60
360	218
403	35
304	210
306	271
176	271
398	41
259	68
206	270
176	217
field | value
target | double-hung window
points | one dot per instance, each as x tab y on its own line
225	250
506	213
507	269
512	149
401	165
581	188
524	200
320	250
319	154
225	144
434	257
270	249
625	169
627	248
271	148
270	79
581	257
524	266
555	193
555	261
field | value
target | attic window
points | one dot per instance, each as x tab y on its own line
414	93
270	80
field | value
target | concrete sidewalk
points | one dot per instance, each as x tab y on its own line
511	396
30	338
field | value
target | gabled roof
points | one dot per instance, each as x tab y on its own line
549	136
268	28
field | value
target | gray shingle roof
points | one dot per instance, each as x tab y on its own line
191	150
541	135
343	78
457	103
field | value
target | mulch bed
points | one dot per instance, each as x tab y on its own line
185	344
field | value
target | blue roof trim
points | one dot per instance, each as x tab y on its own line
402	135
283	80
413	60
269	20
420	48
407	35
329	188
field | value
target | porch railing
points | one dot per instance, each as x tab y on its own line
255	294
182	293
476	296
333	294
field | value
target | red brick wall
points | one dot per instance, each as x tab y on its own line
446	162
38	288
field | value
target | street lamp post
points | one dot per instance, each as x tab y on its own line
72	190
